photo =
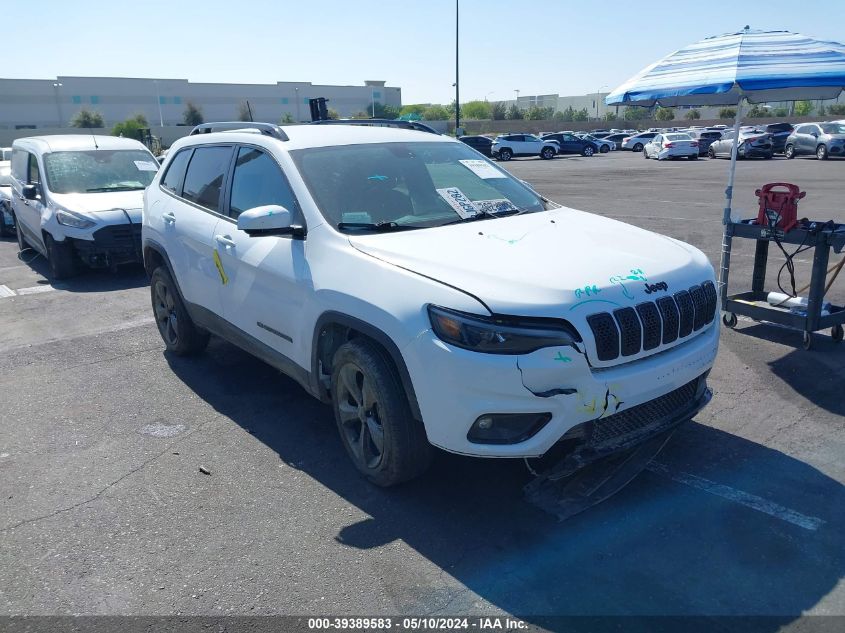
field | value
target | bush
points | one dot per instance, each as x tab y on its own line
664	114
610	116
417	109
780	112
836	108
436	113
383	111
636	113
287	118
131	128
332	114
581	115
476	110
192	114
567	115
727	113
514	113
536	113
498	111
87	119
692	115
803	108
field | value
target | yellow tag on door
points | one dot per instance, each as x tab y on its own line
223	278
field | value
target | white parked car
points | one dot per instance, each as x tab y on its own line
5	154
507	146
426	294
7	220
671	145
77	198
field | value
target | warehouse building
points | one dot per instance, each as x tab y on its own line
39	103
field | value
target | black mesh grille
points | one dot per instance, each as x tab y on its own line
118	235
629	326
712	300
650	318
606	335
671	318
687	311
699	302
643	417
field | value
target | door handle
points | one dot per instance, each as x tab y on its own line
169	218
225	240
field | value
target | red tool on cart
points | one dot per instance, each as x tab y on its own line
779	205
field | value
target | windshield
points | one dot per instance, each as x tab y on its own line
99	170
833	128
409	185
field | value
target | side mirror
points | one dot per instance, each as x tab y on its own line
271	219
29	192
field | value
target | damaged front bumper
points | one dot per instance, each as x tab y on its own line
597	407
110	246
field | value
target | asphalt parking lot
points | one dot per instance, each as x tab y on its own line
105	511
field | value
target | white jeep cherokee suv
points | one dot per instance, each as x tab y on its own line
424	292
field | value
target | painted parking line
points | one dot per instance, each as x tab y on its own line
5	291
738	496
34	290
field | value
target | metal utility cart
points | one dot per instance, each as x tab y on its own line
753	304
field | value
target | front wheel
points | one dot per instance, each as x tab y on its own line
711	153
789	151
505	154
821	152
588	151
604	149
645	154
181	336
61	258
22	245
638	147
547	153
386	444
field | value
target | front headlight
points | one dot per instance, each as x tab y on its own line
498	336
68	218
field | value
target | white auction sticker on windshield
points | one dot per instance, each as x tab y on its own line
462	205
145	165
482	169
495	206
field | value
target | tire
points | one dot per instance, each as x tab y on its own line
61	258
711	153
637	148
179	333
837	333
821	152
789	151
730	320
808	341
5	230
505	154
693	157
22	245
645	154
588	151
386	444
547	153
604	149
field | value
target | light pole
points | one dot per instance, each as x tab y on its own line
296	90
158	100
597	100
516	101
457	87
373	100
56	87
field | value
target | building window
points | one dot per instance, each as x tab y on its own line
305	100
76	99
284	100
376	95
162	100
95	99
177	100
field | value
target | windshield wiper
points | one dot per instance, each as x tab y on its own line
380	227
118	188
483	215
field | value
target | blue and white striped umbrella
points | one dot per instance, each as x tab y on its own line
759	66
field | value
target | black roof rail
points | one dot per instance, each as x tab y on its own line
405	125
267	129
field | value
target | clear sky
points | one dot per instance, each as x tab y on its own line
536	46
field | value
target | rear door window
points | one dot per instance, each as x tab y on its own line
175	175
205	176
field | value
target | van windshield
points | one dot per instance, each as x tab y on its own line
95	171
409	185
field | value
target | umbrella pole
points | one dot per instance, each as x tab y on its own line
727	235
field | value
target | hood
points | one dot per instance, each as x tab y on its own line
94	203
562	263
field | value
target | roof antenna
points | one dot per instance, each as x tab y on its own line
94	138
249	109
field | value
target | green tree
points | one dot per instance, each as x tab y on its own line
131	127
610	116
384	111
192	114
417	108
333	114
287	119
692	115
636	113
782	112
664	114
515	113
87	119
836	108
581	115
803	108
536	113
243	112
727	113
498	111
436	112
476	110
757	112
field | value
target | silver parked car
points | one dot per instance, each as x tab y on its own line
752	144
821	139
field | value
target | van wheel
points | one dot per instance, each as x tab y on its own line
61	258
22	245
181	336
386	444
6	230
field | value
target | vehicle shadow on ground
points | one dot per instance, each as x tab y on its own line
816	375
87	280
657	547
